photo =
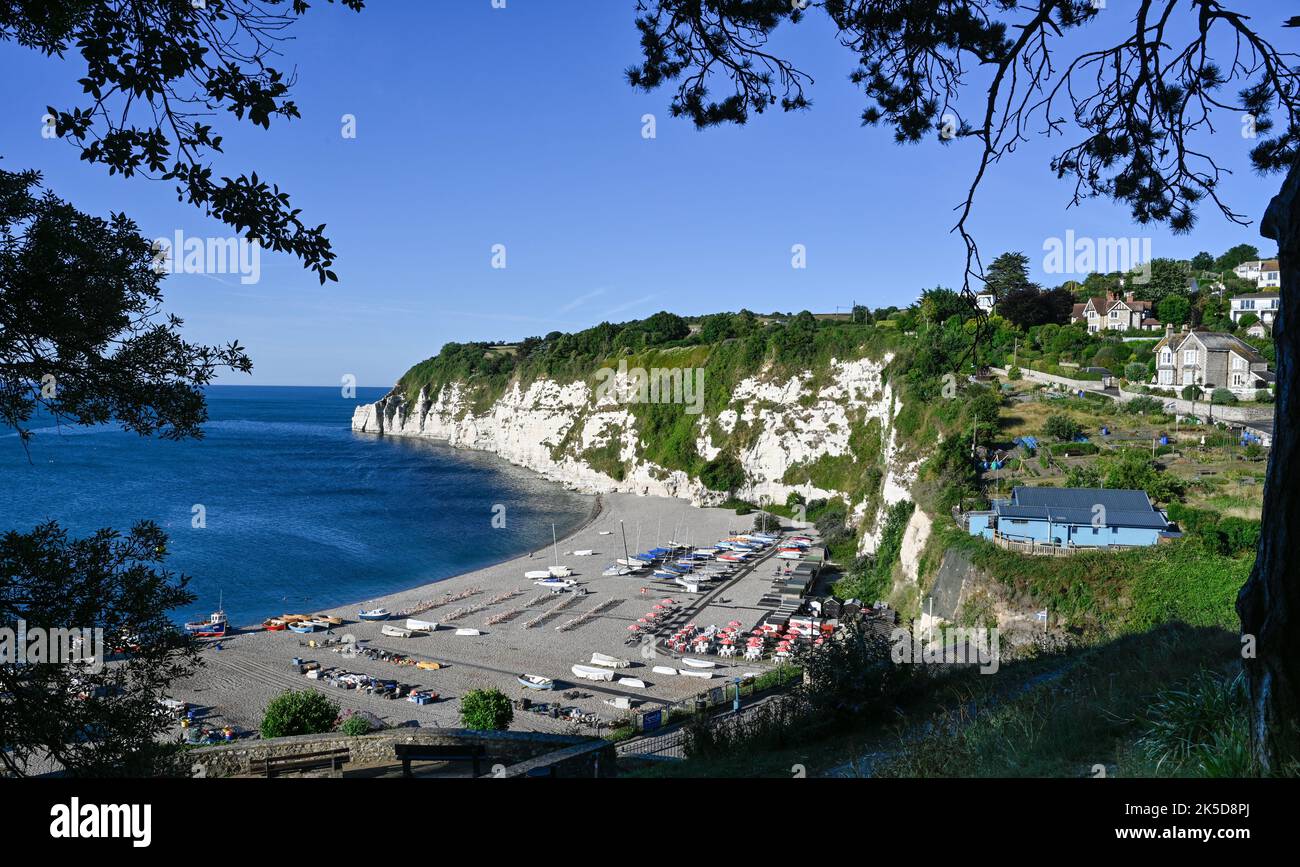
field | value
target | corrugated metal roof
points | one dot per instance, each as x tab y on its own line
1123	508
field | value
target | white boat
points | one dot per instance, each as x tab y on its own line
560	571
635	682
587	672
421	625
538	573
607	661
585	552
606	532
616	571
699	663
555	582
789	555
701	674
633	562
536	681
465	630
664	669
621	702
374	614
395	631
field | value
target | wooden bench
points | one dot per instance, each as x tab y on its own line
275	766
408	753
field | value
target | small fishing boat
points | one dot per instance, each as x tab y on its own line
327	619
536	681
585	552
616	571
303	627
698	663
274	624
606	532
538	573
607	661
621	702
635	682
705	675
664	669
421	625
374	614
465	630
555	582
587	672
428	665
395	631
214	627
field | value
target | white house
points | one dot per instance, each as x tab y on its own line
1265	273
1262	304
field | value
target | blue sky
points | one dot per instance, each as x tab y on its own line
479	126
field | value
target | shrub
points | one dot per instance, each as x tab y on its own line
723	473
355	725
486	710
1014	374
1061	427
1074	449
1142	405
1082	477
1135	371
1264	396
1226	536
299	712
1223	396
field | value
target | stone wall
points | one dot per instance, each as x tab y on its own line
516	753
1200	408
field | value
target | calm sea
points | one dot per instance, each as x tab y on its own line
300	512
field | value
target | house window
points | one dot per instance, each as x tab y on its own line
1238	362
1166	357
1248	304
1189	356
1166	377
1238	380
1114	314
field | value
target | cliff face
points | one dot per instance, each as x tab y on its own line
816	433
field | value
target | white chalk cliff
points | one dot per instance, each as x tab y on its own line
547	426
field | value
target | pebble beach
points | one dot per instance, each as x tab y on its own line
525	629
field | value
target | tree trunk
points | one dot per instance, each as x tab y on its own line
1269	603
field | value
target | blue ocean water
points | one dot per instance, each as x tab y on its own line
300	512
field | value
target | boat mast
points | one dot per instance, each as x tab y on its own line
555	546
623	530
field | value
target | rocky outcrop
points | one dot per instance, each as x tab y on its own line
588	439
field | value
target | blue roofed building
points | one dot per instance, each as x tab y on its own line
1070	518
